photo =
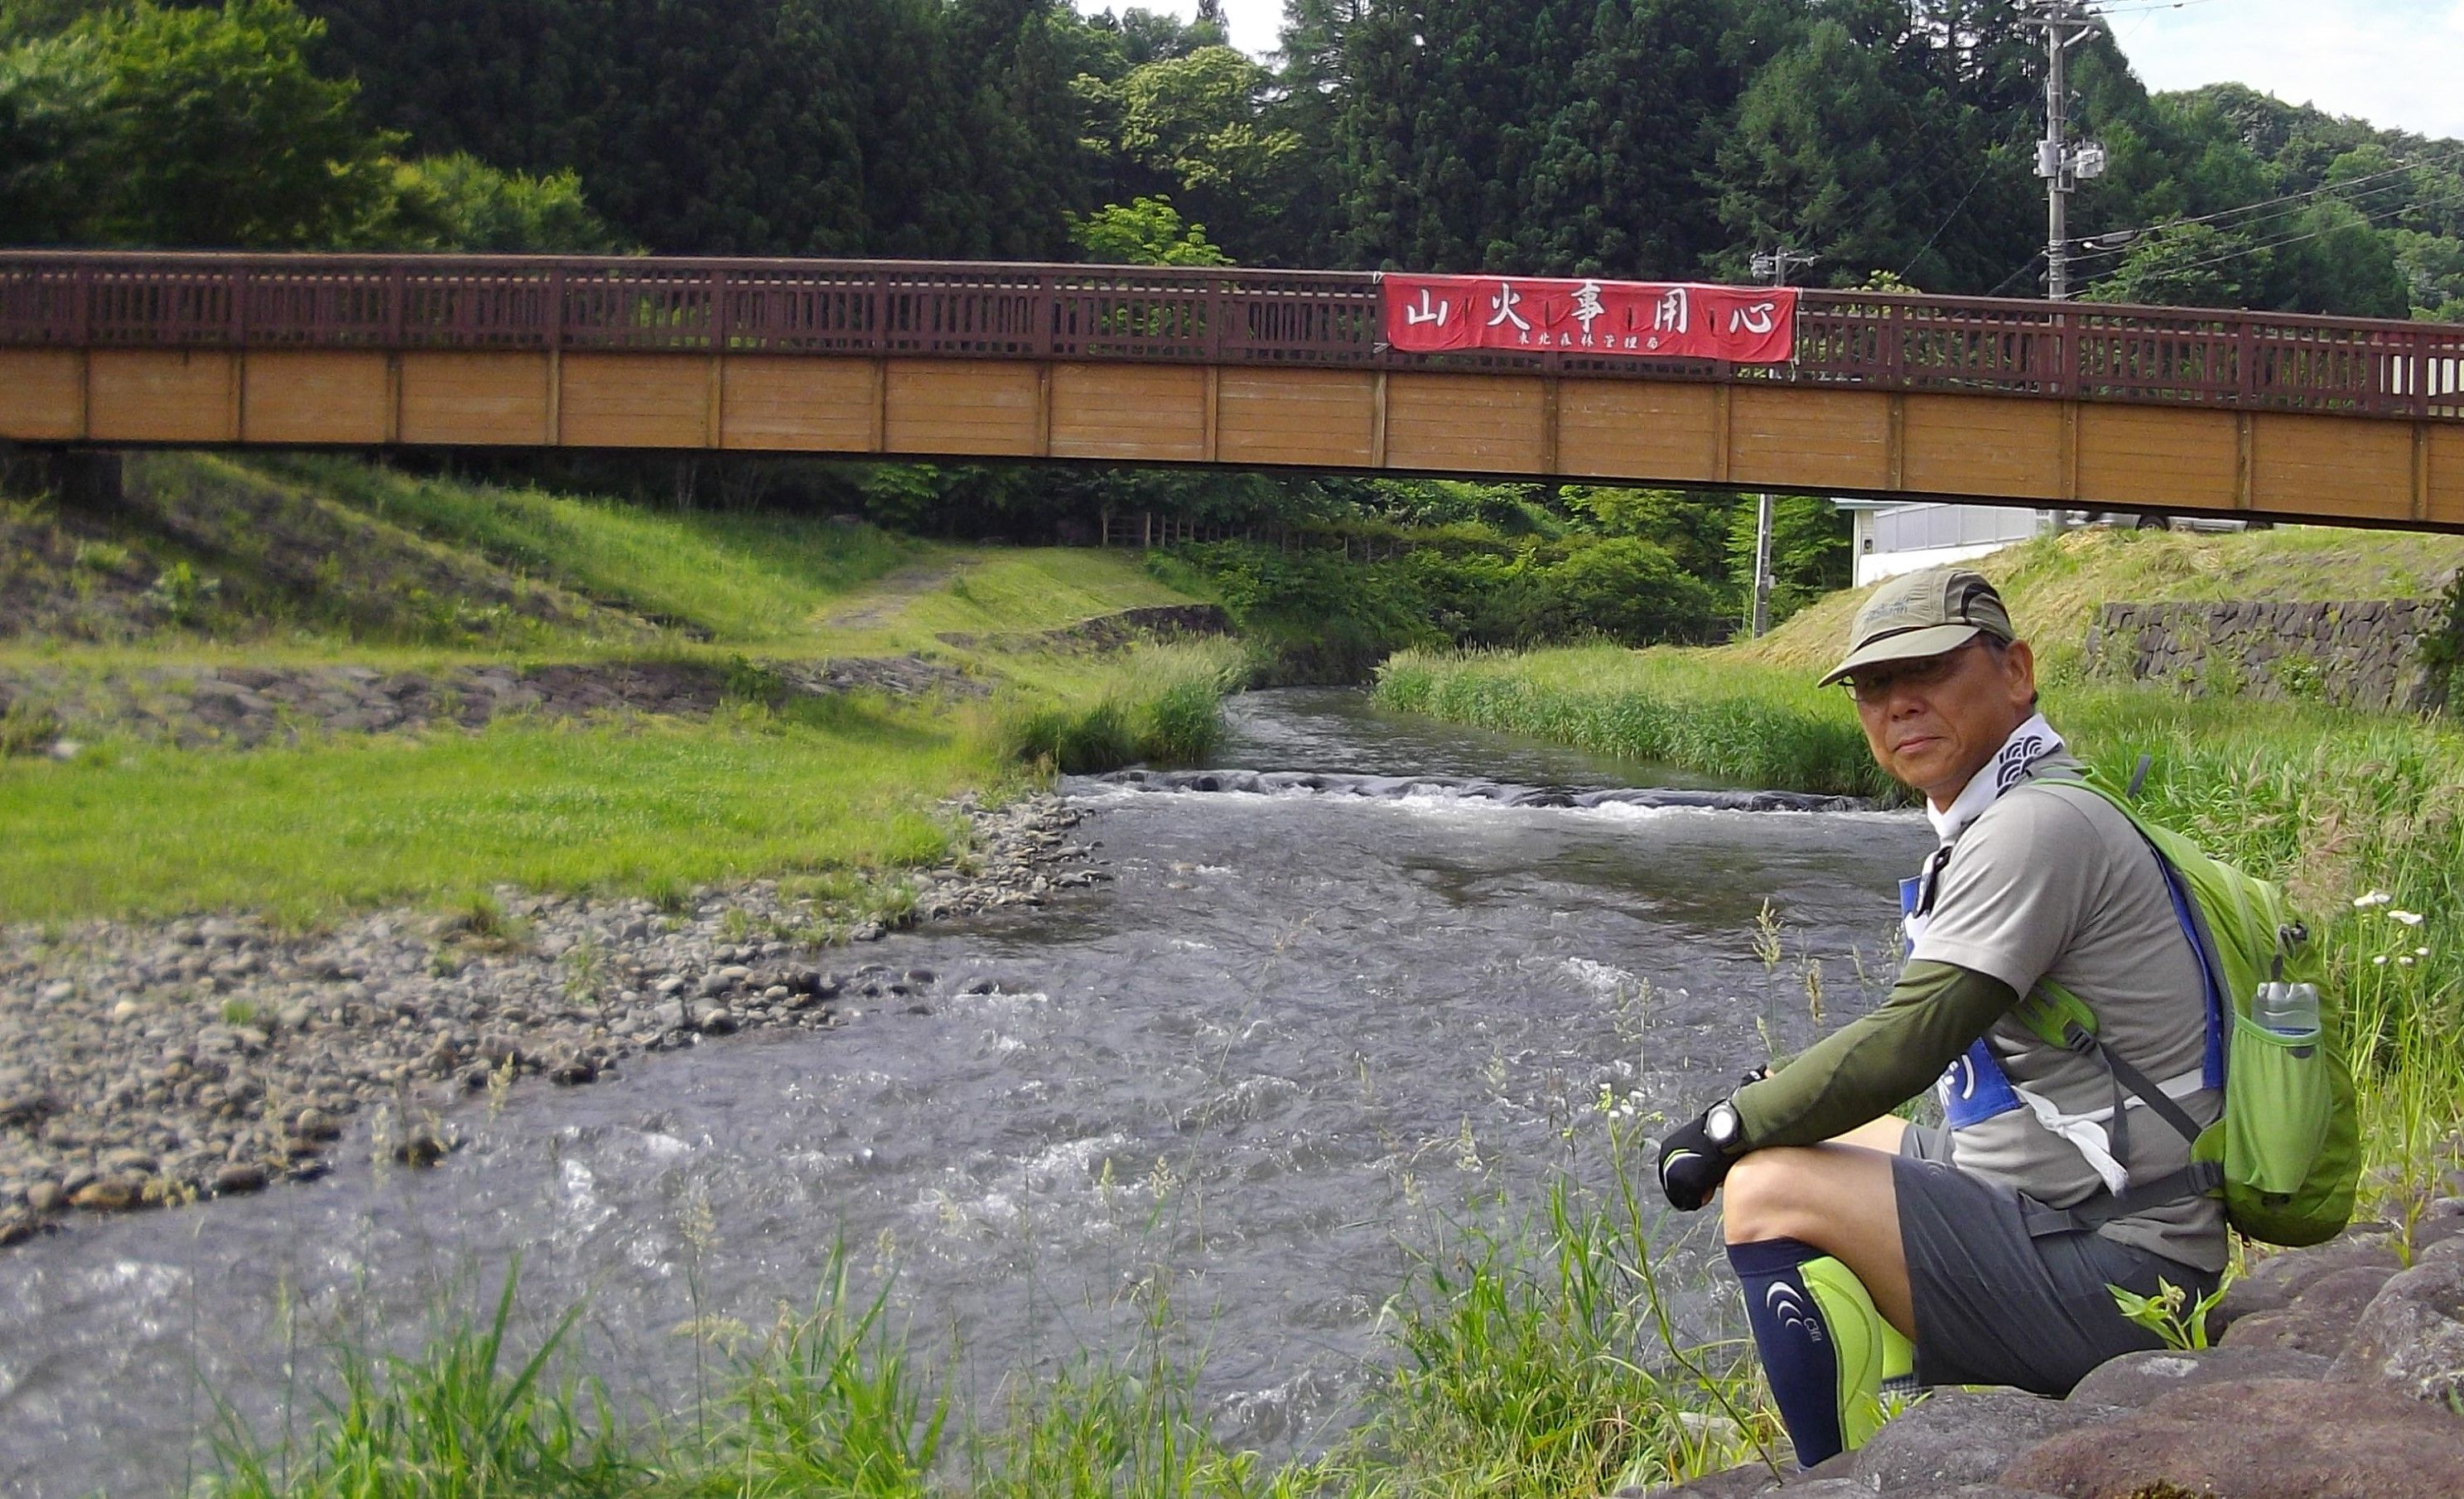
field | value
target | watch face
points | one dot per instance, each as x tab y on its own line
1721	1125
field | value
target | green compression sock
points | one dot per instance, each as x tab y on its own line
1870	1352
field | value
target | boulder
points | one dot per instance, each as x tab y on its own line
1955	1437
2276	1281
2135	1381
2320	1319
1735	1482
2259	1439
2412	1336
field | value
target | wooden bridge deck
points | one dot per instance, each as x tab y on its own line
1994	401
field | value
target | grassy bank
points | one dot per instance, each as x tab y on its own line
2361	816
1529	1362
325	562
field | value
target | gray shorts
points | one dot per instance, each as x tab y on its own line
1996	1306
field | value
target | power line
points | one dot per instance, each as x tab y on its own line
2297	199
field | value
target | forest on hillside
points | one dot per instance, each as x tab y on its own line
1624	137
1892	140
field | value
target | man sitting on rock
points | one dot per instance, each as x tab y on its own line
1989	1243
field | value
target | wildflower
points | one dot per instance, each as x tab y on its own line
2406	917
2376	897
2405	961
2380	962
2421	952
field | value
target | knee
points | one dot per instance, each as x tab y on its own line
1762	1198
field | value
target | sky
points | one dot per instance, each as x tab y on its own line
2396	63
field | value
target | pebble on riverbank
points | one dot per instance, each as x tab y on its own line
153	1065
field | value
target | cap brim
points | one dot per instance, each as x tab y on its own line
1931	641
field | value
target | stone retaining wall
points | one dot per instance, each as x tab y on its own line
2365	654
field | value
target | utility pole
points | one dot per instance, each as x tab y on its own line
2065	23
1774	266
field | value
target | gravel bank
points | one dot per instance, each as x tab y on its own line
153	1065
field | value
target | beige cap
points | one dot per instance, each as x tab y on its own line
1924	614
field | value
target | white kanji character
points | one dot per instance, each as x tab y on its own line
1754	317
1673	313
1587	305
1503	304
1426	313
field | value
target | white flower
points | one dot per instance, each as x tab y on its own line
2380	962
2408	917
2421	952
2376	897
2403	962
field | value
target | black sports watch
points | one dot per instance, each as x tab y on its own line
1723	1127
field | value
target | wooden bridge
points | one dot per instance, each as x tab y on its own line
2022	403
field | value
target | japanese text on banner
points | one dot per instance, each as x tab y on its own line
1741	324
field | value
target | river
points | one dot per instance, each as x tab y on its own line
1298	1031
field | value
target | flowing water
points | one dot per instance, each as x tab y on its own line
1313	1019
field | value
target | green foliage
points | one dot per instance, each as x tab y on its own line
1809	557
1148	231
1161	706
460	1416
459	202
1197	126
185	126
2170	1314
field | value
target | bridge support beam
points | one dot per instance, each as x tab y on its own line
1936	445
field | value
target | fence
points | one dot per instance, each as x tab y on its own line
1193	315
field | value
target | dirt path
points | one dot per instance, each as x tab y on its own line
890	594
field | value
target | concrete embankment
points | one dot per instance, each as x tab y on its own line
150	1065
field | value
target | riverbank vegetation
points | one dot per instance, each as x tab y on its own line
1531	1359
126	795
2359	815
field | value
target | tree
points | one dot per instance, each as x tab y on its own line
1809	555
1146	232
1195	127
459	202
166	127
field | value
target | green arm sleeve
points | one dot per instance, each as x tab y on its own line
1874	1063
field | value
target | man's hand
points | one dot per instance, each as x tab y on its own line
1691	1168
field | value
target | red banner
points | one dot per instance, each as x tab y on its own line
1741	324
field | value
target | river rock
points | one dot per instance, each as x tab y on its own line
1735	1482
2259	1439
423	1145
2273	1284
2320	1319
238	1178
1957	1437
2412	1336
109	1194
2142	1379
46	1196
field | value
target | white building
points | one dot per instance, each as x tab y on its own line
1893	537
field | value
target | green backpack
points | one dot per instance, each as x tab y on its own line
2286	1155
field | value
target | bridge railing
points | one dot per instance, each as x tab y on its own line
1231	316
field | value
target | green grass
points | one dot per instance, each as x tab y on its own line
1533	1362
1675	707
2056	584
744	577
352	822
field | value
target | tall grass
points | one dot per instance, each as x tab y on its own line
1534	1361
1161	703
1674	707
742	576
2336	805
